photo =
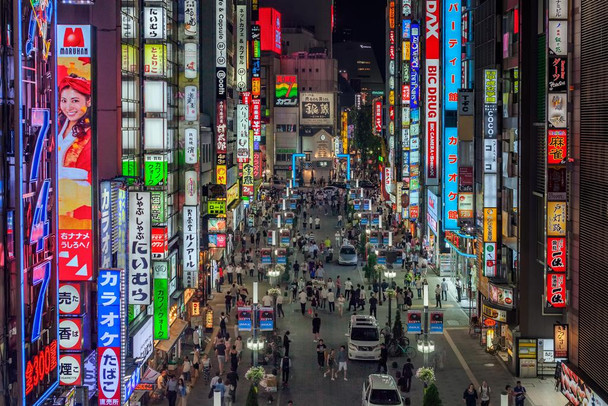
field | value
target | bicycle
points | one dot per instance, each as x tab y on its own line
397	349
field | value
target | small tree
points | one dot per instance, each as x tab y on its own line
252	396
431	397
369	269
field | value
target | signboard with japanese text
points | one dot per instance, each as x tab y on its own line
557	110
560	341
241	47
71	334
220	33
450	178
556	289
155	60
317	109
139	248
74	78
158	207
161	300
557	146
378	117
242	133
216	207
220	128
155	24
270	27
190	230
247	185
190	146
490	223
71	370
190	17
558	37
286	91
432	91
155	169
70	299
558	74
109	370
556	219
159	237
556	254
451	54
105	222
489	259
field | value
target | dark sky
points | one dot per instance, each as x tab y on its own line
366	19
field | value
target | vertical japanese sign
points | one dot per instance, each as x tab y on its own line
490	172
242	133
111	331
556	186
241	47
221	142
105	229
248	170
161	300
74	151
378	117
190	231
451	63
432	95
139	248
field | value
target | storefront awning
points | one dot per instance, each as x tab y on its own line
175	331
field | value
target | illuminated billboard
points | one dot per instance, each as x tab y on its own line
74	152
432	91
270	24
317	109
286	91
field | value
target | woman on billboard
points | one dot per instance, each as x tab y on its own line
74	150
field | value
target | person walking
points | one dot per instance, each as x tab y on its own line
373	304
206	365
285	368
342	359
341	302
316	327
239	274
302	296
331	299
182	392
408	373
348	287
234	358
321	348
419	287
186	369
484	394
286	342
317	223
223	329
296	269
172	390
221	388
330	361
310	221
383	359
279	302
232	379
220	352
519	392
362	297
444	290
458	289
228	302
438	296
469	396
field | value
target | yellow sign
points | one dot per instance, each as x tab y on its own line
391	97
406	50
556	219
172	314
155	59
255	86
216	208
490	222
232	193
220	175
196	308
129	58
345	132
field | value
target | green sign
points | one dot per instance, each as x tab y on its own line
161	300
130	168
216	207
155	170
158	207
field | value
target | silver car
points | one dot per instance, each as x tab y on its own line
348	255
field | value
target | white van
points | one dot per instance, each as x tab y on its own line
363	338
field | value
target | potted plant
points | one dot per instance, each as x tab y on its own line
426	375
431	397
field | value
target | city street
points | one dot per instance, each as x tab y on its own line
458	359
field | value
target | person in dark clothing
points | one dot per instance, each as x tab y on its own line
408	372
296	269
373	305
233	378
286	342
383	359
316	327
285	367
352	302
470	396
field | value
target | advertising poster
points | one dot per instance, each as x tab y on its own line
317	109
161	300
414	322
74	151
266	254
139	248
242	133
432	91
502	296
436	323
155	169
556	254
105	222
286	91
190	232
490	223
216	225
556	219
266	316
241	47
556	290
245	318
71	370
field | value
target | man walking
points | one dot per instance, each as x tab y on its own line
348	287
342	358
302	296
408	372
279	302
316	327
296	269
373	303
285	367
321	347
519	392
331	299
286	342
458	289
383	359
444	290
438	296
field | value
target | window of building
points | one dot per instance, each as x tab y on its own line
283	157
286	128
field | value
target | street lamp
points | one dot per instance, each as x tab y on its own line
390	274
254	343
424	345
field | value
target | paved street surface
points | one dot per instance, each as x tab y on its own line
458	358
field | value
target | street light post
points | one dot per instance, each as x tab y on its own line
254	343
425	345
390	274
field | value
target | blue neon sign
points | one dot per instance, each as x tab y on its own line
415	66
452	53
450	176
108	308
406	29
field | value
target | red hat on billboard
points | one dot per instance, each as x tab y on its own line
81	85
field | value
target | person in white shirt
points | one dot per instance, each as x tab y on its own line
230	272
362	299
348	287
280	312
239	274
303	299
331	299
444	290
267	300
331	285
339	221
317	223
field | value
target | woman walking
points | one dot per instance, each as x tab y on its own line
330	361
206	365
341	301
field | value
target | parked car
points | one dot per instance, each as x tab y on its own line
347	255
363	338
380	389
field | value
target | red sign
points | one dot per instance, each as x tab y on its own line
247	190
160	242
556	290
405	93
220	126
391	113
391	36
40	366
414	212
256	116
557	147
556	254
70	369
245	97
257	165
70	334
270	26
70	298
108	378
432	88
378	116
391	52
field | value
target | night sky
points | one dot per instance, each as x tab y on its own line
367	21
